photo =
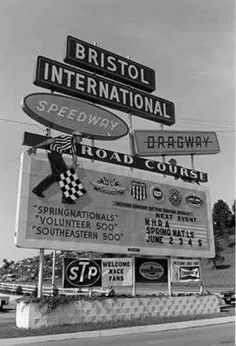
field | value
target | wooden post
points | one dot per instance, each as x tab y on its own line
40	275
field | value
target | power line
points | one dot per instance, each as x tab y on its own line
21	123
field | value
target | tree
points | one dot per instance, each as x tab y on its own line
221	217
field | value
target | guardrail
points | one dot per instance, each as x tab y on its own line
47	291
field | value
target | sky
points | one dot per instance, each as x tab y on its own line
189	44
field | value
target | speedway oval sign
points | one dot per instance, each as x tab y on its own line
67	114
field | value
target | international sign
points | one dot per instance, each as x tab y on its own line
67	114
185	270
109	217
101	61
59	77
157	143
121	159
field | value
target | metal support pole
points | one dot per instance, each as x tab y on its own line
53	266
169	277
133	278
40	275
92	144
192	161
201	288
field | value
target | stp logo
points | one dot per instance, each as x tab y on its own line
82	273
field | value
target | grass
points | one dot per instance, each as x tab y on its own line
9	330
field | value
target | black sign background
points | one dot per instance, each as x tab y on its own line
43	79
71	58
162	262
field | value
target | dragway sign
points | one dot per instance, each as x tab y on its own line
150	143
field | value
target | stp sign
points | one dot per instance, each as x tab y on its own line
81	273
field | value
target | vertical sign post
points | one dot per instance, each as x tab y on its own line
53	267
169	277
201	286
40	276
133	278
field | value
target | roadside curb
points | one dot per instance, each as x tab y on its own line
118	331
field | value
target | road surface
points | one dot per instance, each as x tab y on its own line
218	335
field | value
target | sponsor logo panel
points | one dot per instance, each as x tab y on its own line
151	270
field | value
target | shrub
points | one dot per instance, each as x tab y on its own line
19	290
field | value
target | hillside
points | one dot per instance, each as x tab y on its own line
224	276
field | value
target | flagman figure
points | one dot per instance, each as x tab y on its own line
66	177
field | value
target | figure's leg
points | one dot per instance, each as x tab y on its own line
43	185
56	166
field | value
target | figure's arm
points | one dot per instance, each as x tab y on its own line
40	145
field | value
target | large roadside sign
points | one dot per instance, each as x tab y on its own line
157	143
124	211
67	114
60	77
95	59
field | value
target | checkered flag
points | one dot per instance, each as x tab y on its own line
70	184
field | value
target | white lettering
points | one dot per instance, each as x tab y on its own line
138	101
134	74
158	108
79	51
42	105
92	56
72	113
104	123
82	116
53	108
111	60
93	119
62	111
69	75
57	73
142	77
91	86
79	82
46	71
115	156
113	124
114	94
123	64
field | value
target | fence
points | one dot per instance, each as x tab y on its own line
49	290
